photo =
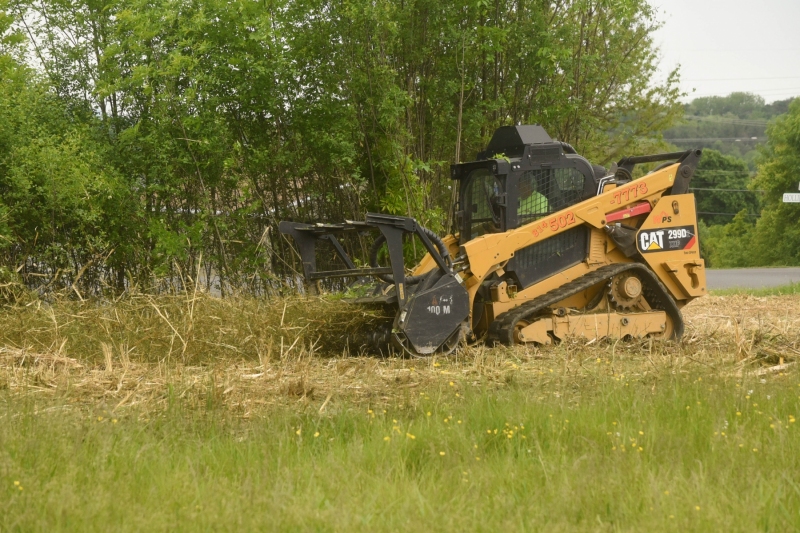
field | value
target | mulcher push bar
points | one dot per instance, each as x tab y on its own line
391	227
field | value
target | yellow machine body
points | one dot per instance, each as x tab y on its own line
545	246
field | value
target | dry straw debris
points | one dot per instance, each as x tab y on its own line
246	355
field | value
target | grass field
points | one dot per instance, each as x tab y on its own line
778	290
150	415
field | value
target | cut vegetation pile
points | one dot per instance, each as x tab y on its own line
187	329
246	353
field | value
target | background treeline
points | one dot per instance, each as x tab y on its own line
146	142
143	140
734	124
751	157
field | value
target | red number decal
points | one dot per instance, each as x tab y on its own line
561	221
626	195
540	228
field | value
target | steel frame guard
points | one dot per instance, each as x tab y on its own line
391	227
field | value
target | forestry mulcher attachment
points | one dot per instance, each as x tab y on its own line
545	246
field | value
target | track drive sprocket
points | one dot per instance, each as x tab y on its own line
626	291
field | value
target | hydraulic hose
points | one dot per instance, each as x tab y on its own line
411	280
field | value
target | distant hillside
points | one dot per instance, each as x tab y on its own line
734	124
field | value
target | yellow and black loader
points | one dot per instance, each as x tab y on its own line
545	246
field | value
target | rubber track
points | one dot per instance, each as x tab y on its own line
502	329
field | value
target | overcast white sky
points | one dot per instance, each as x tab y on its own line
724	46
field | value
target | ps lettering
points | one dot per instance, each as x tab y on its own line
666	219
651	238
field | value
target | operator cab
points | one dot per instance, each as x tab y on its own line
523	175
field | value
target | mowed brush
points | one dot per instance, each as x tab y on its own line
190	329
203	329
245	355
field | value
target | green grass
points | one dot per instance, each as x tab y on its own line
780	290
659	452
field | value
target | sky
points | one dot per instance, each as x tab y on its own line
724	46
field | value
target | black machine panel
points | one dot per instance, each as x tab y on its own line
545	258
433	315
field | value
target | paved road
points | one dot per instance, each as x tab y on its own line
751	278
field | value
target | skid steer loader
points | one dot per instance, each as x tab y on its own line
545	246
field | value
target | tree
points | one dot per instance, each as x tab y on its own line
221	117
734	124
62	207
721	186
777	240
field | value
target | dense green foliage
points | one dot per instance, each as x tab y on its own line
745	179
720	186
140	136
775	238
61	203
